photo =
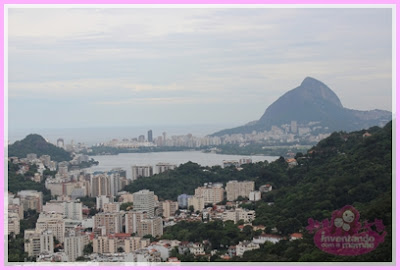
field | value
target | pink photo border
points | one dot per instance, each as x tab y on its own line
209	2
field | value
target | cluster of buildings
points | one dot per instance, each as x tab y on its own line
66	227
292	132
174	141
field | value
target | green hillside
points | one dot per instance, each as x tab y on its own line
35	143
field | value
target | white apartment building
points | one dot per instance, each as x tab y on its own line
211	193
70	209
74	245
141	171
101	201
31	199
53	222
234	189
162	167
37	242
197	202
144	200
255	196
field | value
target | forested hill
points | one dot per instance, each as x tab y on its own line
344	169
36	144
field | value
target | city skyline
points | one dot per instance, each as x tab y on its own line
94	67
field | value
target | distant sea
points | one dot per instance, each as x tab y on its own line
126	160
93	135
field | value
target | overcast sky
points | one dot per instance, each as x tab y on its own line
86	67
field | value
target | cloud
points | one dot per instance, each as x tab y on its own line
113	57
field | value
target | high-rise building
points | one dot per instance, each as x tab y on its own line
115	182
111	222
102	200
293	126
141	138
54	222
37	241
70	209
63	168
162	167
132	219
211	193
144	200
32	242
100	185
152	226
150	136
183	200
104	244
134	243
197	202
74	245
234	189
141	171
31	199
169	208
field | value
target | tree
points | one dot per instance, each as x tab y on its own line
88	249
126	206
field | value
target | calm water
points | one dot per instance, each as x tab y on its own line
126	160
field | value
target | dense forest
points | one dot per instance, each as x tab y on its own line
344	169
34	143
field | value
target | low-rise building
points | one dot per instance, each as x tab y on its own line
261	239
239	214
244	246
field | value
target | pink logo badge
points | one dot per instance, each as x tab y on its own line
345	235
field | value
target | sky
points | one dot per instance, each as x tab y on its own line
97	67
